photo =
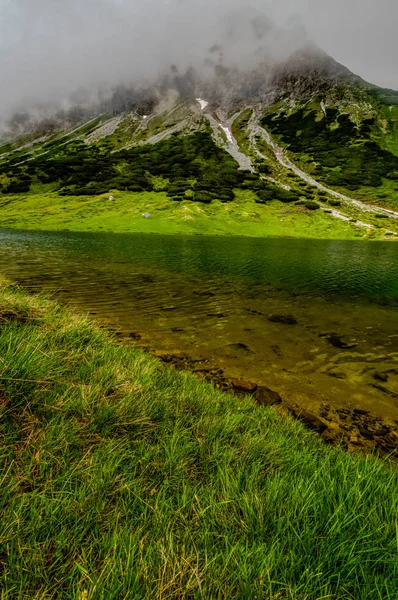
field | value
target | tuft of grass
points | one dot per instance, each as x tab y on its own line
121	478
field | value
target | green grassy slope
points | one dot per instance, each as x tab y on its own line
243	216
354	153
121	478
186	183
190	165
349	148
39	143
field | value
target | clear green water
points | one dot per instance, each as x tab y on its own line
346	269
209	298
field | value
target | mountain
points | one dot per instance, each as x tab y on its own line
266	113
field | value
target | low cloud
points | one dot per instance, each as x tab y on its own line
52	48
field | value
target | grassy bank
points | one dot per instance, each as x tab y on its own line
49	211
121	478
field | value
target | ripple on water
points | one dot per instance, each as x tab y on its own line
210	298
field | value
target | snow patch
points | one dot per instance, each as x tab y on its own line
203	103
145	117
228	134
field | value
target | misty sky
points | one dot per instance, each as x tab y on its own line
49	48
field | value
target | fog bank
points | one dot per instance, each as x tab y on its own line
52	48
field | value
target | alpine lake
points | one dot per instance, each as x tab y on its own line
308	325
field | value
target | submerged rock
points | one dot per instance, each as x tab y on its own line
284	319
135	335
381	376
309	419
205	294
254	312
338	342
337	374
164	356
360	412
275	348
334	435
382	388
241	346
267	397
244	386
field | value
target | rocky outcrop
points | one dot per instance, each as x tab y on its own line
353	429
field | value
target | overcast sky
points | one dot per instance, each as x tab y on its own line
48	48
361	34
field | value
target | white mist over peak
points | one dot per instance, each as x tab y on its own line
51	48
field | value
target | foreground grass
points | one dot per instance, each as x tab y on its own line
121	478
48	211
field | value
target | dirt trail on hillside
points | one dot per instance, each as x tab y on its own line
255	129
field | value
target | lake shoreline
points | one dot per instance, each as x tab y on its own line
270	314
115	463
194	234
353	428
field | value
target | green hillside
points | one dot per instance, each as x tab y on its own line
341	153
300	166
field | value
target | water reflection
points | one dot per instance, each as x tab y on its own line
343	268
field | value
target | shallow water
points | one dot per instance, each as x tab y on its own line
210	299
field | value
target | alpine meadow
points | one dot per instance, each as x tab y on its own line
198	300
